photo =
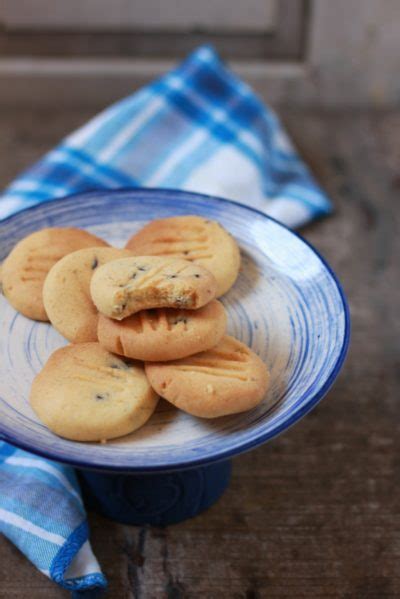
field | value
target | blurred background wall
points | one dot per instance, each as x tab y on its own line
300	52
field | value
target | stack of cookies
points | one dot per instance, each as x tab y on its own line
143	322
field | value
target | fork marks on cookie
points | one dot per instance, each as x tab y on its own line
218	363
212	370
115	378
190	243
159	319
38	263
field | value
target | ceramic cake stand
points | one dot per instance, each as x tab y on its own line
155	499
287	305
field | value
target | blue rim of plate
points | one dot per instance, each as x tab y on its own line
245	446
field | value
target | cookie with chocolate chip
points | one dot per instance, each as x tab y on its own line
164	333
85	393
123	287
26	267
227	379
66	292
194	238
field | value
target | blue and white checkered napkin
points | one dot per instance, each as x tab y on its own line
42	513
198	128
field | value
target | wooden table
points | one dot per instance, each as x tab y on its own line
316	512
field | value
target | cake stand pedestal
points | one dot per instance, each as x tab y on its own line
156	499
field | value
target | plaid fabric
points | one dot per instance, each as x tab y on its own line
198	128
42	513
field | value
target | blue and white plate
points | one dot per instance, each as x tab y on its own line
287	305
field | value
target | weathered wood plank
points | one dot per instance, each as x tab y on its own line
316	512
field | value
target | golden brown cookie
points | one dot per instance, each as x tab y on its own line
193	238
85	393
26	267
125	286
66	292
227	379
164	333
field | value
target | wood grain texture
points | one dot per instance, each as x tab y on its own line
316	512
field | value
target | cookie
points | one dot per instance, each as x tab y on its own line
193	238
125	286
26	267
84	393
227	379
66	292
164	333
